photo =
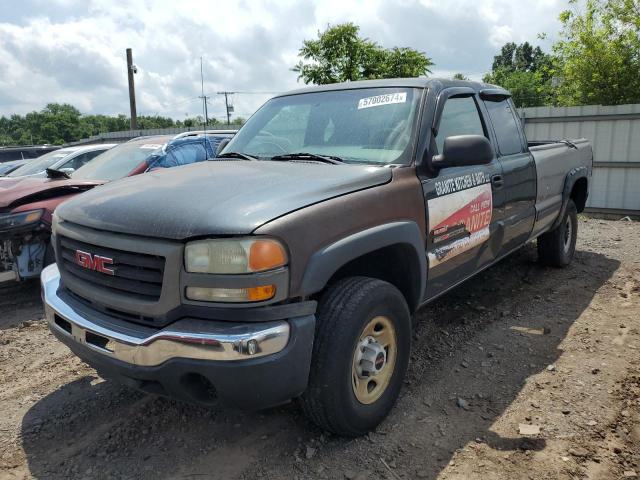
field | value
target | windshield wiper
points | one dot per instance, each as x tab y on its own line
244	156
308	156
53	173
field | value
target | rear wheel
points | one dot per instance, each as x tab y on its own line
557	247
360	356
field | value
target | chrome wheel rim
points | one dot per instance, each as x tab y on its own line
374	360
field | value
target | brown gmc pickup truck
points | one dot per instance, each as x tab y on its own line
289	267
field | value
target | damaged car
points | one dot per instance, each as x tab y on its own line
67	159
27	204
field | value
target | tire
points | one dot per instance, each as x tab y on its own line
347	311
557	247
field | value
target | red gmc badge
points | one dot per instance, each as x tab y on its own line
94	262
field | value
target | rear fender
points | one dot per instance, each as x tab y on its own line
572	177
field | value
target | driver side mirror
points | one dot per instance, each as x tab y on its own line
464	150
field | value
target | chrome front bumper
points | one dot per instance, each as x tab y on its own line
146	347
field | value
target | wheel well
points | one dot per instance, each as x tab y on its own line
579	194
396	264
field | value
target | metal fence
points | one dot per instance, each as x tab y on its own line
614	132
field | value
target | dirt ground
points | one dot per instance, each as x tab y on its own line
517	350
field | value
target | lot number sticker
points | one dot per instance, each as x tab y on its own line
386	99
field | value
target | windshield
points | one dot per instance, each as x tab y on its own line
118	162
40	164
372	125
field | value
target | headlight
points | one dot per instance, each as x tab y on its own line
234	256
20	219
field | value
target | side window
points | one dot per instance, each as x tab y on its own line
75	162
80	160
506	127
459	117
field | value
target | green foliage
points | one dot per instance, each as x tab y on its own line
63	123
525	71
598	55
520	58
340	54
460	76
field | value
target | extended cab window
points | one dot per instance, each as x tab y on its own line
459	117
505	125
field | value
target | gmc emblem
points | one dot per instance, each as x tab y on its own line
94	262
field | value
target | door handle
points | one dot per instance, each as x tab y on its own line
497	181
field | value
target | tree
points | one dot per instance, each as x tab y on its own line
598	55
520	58
340	54
525	71
63	123
460	76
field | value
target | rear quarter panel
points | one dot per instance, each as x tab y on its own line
553	162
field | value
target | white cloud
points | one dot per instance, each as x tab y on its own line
74	50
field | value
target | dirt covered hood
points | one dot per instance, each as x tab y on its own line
22	190
216	197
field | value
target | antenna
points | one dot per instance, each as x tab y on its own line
203	97
204	106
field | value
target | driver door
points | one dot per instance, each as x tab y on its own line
463	207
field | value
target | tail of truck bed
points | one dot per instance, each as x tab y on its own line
559	163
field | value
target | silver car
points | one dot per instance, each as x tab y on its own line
66	160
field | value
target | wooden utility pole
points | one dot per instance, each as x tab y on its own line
131	70
229	107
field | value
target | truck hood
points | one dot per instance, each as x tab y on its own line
215	197
22	190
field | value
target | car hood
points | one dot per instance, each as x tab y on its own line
215	197
21	190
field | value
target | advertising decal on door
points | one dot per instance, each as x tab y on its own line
460	220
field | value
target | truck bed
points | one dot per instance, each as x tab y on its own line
553	160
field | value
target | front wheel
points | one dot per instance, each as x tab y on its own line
360	356
556	248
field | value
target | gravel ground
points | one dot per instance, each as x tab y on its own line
522	372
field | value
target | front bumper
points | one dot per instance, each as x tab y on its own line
249	365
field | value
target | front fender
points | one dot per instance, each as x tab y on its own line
324	263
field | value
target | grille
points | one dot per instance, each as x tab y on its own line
135	274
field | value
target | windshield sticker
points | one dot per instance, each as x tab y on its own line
150	146
386	99
461	222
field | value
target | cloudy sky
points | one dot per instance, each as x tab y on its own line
74	50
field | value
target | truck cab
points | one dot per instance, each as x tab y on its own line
290	266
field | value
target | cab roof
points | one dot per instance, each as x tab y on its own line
436	84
